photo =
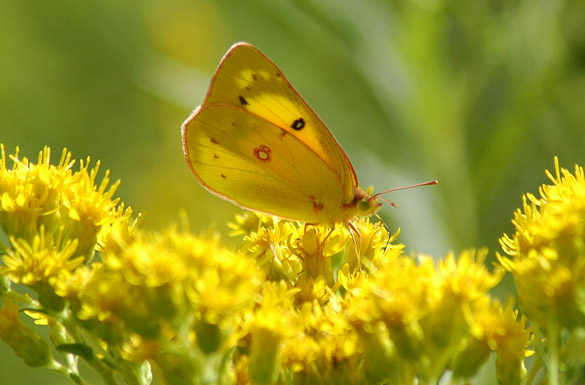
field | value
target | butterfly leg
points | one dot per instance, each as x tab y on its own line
387	229
357	242
328	234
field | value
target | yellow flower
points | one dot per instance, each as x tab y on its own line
67	204
269	246
495	328
547	250
172	298
270	326
248	222
307	256
39	262
30	194
161	278
510	338
370	243
423	309
296	303
466	278
40	265
327	350
299	254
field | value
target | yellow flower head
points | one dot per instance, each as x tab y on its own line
269	246
160	279
298	254
249	221
467	278
495	328
326	350
368	244
41	261
547	250
306	256
272	323
296	303
423	308
30	193
65	203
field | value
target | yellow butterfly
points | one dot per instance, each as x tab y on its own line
255	142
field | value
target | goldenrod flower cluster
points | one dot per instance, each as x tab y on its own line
294	304
547	257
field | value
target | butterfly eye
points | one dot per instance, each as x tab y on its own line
363	206
367	206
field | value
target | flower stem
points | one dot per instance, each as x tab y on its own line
553	359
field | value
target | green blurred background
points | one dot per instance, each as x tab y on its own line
477	94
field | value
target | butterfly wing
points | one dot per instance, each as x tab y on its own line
258	165
248	80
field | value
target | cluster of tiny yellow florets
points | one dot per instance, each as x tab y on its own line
53	216
295	303
547	251
111	292
394	320
546	255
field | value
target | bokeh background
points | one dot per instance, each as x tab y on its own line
480	95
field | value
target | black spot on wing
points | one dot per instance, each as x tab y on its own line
243	101
298	124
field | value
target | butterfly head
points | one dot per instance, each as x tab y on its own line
366	204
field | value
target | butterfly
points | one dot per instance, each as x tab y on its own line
255	142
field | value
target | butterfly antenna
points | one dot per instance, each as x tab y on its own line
386	200
431	182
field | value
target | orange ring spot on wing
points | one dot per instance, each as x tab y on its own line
262	153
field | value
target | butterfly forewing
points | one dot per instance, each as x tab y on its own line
248	80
